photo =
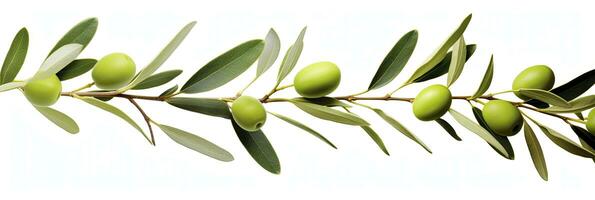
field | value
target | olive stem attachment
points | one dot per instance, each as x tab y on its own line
239	93
84	87
276	89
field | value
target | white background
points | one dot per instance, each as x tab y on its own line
108	159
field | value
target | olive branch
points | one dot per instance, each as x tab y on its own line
563	102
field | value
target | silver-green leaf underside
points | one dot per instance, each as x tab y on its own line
577	105
303	127
11	86
545	96
196	143
457	63
58	60
397	125
60	119
291	57
535	151
564	142
480	131
486	81
376	138
330	114
272	46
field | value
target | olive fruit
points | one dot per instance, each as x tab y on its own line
591	121
43	92
535	77
502	117
113	71
248	113
317	80
432	102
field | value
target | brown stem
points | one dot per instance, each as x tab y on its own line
146	117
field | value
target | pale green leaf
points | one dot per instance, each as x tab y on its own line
480	131
272	46
457	62
330	114
577	105
376	139
323	101
535	151
564	142
545	96
291	57
397	125
11	86
303	127
486	81
196	143
60	119
58	60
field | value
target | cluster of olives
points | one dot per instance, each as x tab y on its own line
111	72
314	81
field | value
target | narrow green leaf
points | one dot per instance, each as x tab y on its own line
169	91
196	143
58	60
323	101
577	105
586	146
545	96
480	131
212	107
161	57
442	67
224	68
60	119
330	114
116	111
580	115
157	79
486	81
457	62
76	68
291	57
395	61
585	136
272	46
564	142
571	90
395	124
259	147
11	86
448	128
81	33
535	151
303	127
503	140
376	139
15	57
441	52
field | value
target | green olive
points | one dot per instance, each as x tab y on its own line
432	102
43	92
591	121
113	71
248	113
317	80
535	77
502	117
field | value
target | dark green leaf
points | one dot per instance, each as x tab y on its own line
376	139
259	147
60	119
535	151
480	131
76	68
442	67
584	135
158	79
169	91
212	107
291	57
564	142
81	33
458	61
15	57
448	128
397	125
577	105
272	46
545	96
330	114
196	143
224	68
503	140
323	101
571	90
395	61
486	81
303	127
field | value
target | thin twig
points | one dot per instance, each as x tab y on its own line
146	117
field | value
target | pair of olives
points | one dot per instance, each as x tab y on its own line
314	81
111	72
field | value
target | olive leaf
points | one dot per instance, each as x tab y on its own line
395	61
398	126
15	57
457	62
76	68
11	86
535	151
157	79
585	136
82	33
577	105
330	114
442	67
571	90
564	142
58	60
376	138
116	111
477	113
479	130
60	119
169	91
291	57
441	52
586	146
486	81
545	96
224	68
212	107
323	101
448	128
196	143
303	127
259	147
272	46
165	53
